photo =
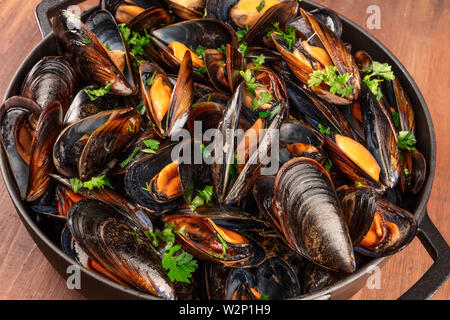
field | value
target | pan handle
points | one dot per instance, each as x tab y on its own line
439	272
47	8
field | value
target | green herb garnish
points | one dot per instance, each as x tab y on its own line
180	267
222	49
95	182
328	165
406	171
203	197
250	81
381	70
86	41
261	6
270	114
263	297
130	158
264	98
331	77
359	184
259	61
289	34
149	82
406	141
96	93
396	117
326	132
200	51
241	33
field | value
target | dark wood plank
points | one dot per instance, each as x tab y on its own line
415	31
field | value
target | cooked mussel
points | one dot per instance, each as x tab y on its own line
378	227
187	9
17	133
298	140
51	79
167	106
41	165
317	52
310	216
215	234
137	14
170	43
86	147
110	239
86	46
84	105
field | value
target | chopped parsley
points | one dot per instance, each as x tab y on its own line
222	49
96	93
241	33
396	117
325	132
377	69
95	182
359	184
86	41
200	51
406	141
202	71
289	34
180	267
203	197
149	81
328	165
406	171
152	146
261	6
130	158
331	77
263	297
264	98
259	61
225	246
270	114
250	81
141	108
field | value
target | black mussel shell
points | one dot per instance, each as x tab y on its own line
84	106
110	239
12	112
41	165
51	79
310	215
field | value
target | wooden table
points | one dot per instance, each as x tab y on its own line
415	31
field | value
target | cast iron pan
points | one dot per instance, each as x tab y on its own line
96	287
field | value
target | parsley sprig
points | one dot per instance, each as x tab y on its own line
95	182
152	146
180	267
406	141
241	33
330	76
203	197
376	73
289	34
96	93
261	6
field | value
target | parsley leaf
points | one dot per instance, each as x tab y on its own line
130	158
250	81
406	141
202	71
149	81
222	49
243	48
328	165
377	69
86	41
264	98
270	114
95	182
263	297
241	33
359	184
261	6
326	132
330	76
141	108
259	61
152	144
200	51
180	267
396	117
96	93
203	196
289	34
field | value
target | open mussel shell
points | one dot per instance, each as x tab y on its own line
309	212
354	161
167	106
209	33
412	177
41	165
74	139
51	79
229	187
298	140
81	44
110	239
263	192
142	177
17	137
399	100
381	137
110	197
359	206
318	111
206	230
334	49
187	9
205	114
138	14
84	106
66	199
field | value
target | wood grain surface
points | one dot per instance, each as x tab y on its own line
417	32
